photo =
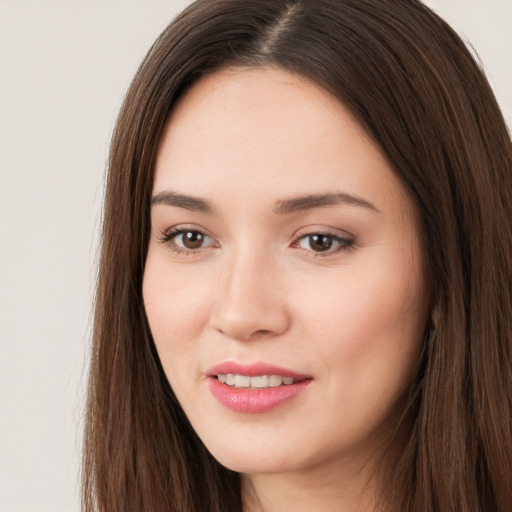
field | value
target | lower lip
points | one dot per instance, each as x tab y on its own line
255	400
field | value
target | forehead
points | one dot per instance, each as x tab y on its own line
268	132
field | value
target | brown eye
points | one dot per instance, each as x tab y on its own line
189	239
320	243
192	239
324	243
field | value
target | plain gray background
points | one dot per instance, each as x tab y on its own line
64	69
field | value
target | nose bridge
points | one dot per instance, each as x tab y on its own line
251	303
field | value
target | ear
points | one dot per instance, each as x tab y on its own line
434	318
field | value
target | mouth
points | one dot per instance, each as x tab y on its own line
255	388
255	382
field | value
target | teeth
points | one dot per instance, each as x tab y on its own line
275	380
242	381
258	382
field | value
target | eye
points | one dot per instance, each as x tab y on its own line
191	239
324	243
186	240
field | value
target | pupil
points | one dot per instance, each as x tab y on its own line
320	242
193	240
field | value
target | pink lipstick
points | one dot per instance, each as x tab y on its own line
255	388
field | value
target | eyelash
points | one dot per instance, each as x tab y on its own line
344	244
168	237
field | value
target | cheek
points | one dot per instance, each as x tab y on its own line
175	306
367	317
365	335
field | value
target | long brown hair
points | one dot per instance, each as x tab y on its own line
413	85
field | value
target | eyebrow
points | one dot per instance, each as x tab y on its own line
182	201
312	201
295	204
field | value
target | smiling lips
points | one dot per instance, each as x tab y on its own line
254	388
256	382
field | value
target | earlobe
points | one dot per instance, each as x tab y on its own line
434	318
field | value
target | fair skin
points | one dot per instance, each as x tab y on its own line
239	270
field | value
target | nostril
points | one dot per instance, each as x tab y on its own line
257	334
261	333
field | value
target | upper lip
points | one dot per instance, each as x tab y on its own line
253	370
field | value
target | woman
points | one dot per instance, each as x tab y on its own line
304	297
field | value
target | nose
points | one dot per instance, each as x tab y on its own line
252	300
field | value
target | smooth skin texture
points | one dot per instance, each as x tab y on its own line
240	276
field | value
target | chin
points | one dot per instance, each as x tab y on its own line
254	466
254	459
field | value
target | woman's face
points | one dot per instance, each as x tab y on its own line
283	283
